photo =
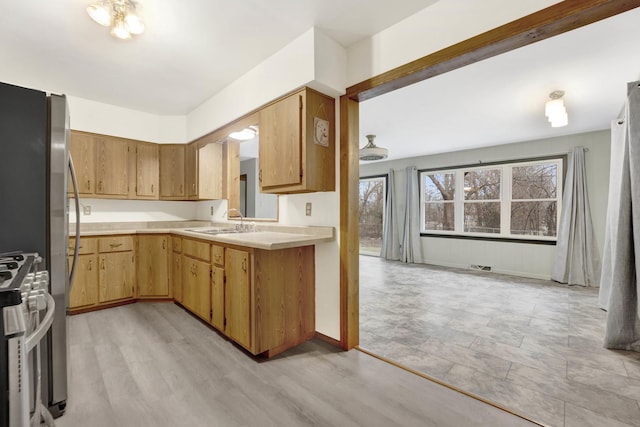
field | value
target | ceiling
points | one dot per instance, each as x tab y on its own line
189	51
501	100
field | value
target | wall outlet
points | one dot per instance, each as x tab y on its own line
86	209
308	209
211	210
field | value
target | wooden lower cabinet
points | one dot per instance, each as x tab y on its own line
84	290
217	297
153	266
176	276
196	286
116	276
237	298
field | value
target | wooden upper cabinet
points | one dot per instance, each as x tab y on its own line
172	171
147	167
204	170
210	171
191	170
112	159
83	152
297	144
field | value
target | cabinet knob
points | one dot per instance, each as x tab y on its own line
88	185
151	188
102	264
90	265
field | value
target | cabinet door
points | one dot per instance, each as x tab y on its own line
153	266
83	152
147	167
210	171
238	297
116	276
112	159
196	286
84	290
176	276
217	298
280	148
191	170
172	170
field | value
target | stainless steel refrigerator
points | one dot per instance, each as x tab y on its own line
34	166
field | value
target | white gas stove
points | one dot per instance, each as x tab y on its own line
27	314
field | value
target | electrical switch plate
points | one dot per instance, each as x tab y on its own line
86	209
308	209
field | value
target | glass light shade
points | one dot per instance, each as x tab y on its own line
243	135
559	120
553	107
120	30
99	12
134	23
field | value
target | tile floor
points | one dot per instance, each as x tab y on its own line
530	345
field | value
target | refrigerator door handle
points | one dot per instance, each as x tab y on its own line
77	203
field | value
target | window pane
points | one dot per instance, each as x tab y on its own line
371	213
535	181
534	218
482	217
439	216
482	184
439	186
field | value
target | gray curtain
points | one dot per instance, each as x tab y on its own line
577	261
390	236
619	283
410	246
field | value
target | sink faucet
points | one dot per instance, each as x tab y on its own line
241	225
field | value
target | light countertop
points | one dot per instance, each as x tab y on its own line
269	237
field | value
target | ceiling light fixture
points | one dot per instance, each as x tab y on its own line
372	152
555	110
120	15
245	134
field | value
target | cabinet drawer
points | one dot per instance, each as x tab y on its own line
217	255
87	245
176	244
196	249
115	244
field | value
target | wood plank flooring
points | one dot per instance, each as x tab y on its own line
529	345
153	364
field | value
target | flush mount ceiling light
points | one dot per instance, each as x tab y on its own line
245	134
372	152
120	15
555	111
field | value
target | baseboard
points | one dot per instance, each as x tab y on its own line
332	341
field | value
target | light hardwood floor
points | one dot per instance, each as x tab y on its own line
530	345
153	364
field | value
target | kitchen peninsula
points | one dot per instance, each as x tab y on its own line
255	287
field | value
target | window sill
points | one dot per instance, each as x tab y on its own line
491	239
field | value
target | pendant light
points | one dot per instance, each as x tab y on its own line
372	152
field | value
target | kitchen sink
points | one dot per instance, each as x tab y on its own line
215	231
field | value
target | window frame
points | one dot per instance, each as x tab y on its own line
384	202
506	200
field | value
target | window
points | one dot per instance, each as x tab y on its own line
517	200
371	213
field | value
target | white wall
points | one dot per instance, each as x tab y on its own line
530	260
97	117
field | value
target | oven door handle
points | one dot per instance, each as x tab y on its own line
77	203
34	338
